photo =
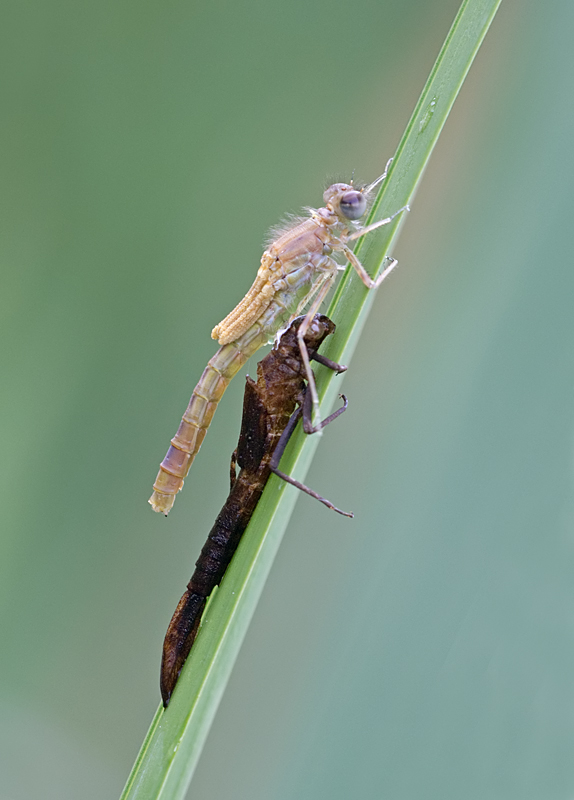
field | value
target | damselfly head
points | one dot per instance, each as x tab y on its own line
346	201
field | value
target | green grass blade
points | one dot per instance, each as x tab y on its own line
174	742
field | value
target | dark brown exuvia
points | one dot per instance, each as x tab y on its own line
272	407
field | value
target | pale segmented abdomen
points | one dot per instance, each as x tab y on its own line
288	294
198	415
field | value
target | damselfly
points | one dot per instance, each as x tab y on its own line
297	271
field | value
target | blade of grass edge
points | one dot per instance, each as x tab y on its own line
171	749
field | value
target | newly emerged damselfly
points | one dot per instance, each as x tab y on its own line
297	271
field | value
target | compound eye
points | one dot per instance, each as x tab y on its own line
353	204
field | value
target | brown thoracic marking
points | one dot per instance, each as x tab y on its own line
268	406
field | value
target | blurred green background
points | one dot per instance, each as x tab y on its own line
424	649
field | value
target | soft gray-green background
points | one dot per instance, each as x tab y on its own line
423	650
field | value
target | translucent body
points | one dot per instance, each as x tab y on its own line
296	270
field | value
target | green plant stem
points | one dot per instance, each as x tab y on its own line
170	752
